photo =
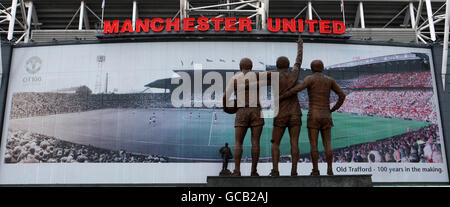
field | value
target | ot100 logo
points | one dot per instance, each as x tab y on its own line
32	66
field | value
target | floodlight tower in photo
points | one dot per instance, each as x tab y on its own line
98	78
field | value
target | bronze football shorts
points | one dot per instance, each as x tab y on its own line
249	117
288	120
319	120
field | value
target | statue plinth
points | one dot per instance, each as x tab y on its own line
291	181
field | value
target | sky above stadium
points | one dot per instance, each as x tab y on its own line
130	66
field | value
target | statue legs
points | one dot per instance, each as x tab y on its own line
326	139
239	139
224	164
294	133
256	136
277	134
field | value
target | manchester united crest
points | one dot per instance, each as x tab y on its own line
33	65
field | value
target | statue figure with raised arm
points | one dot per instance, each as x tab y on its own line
289	113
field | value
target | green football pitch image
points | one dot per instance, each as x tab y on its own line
349	129
195	134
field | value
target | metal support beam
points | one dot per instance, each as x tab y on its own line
103	13
224	10
86	18
29	19
411	15
445	48
393	18
12	20
24	14
257	9
359	16
258	18
183	9
420	29
73	17
263	12
135	13
315	12
82	11
34	17
93	13
6	32
301	11
418	15
430	20
221	5
309	12
406	18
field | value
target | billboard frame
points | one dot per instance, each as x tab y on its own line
255	37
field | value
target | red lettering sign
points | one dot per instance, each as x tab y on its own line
153	24
175	24
109	28
144	26
230	24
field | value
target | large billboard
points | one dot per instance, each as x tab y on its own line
103	113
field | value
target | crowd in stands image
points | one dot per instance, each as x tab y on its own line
30	104
27	147
422	145
407	79
415	104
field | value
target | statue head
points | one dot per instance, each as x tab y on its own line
282	62
317	66
245	64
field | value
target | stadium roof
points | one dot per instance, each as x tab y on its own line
165	83
62	14
380	59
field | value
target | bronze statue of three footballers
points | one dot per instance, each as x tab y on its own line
248	115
